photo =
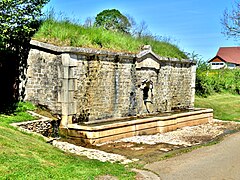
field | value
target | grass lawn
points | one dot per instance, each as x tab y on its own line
226	106
24	156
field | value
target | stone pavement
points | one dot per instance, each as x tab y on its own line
221	161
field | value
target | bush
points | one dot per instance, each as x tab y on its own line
24	106
203	84
217	81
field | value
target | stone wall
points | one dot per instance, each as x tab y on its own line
41	127
87	85
43	83
44	125
103	86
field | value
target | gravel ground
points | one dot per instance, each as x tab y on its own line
126	151
186	136
91	153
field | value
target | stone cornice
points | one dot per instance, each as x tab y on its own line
140	56
79	50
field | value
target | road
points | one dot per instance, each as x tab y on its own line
217	162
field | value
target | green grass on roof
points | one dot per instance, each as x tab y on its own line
65	33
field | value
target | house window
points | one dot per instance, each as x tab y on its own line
231	65
217	64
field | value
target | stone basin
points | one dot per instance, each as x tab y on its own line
112	129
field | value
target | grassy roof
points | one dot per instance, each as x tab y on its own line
65	33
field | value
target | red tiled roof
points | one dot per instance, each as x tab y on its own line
229	54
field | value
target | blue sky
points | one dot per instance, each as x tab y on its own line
194	25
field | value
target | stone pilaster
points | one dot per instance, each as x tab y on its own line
193	81
69	107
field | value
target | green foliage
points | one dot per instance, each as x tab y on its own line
113	20
217	81
203	84
25	106
19	20
67	33
202	65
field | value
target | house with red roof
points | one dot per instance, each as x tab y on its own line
227	57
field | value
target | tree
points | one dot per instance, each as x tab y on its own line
142	29
19	20
133	24
138	30
231	22
89	22
113	20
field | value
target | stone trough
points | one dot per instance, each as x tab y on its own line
113	129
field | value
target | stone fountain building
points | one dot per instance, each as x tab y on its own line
86	86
